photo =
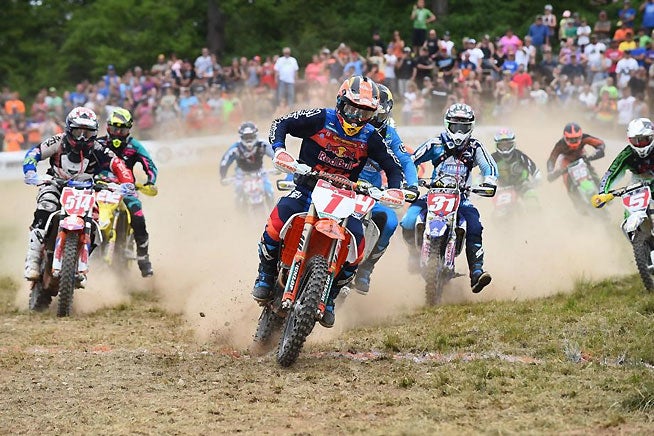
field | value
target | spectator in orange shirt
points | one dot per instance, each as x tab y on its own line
621	33
14	106
14	140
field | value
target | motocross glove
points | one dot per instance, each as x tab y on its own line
127	189
416	191
31	178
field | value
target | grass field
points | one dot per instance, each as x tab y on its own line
579	363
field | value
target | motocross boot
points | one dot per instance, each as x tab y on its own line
142	257
342	279
362	278
33	258
264	283
414	258
479	278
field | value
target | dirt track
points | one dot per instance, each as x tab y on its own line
137	368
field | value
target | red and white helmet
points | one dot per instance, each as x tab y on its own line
81	129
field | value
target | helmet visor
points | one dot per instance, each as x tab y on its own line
249	138
458	127
118	131
505	145
356	115
81	134
641	141
573	141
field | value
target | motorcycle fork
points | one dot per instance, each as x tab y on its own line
332	270
294	272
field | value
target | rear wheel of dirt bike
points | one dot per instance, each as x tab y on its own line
642	245
40	298
302	317
68	275
434	275
269	324
120	262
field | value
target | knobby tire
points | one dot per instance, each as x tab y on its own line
68	275
435	279
302	317
642	246
39	298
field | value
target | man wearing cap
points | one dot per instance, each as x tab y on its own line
475	53
406	70
446	43
539	32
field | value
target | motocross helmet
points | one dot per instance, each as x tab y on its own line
248	133
119	123
81	130
572	135
505	142
382	116
459	121
641	136
356	103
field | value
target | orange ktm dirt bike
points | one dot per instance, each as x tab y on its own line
117	247
69	233
315	246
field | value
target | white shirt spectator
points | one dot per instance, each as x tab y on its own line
286	67
626	110
522	57
448	45
389	68
204	65
583	35
476	55
624	68
588	98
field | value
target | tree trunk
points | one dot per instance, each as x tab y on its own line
215	28
439	8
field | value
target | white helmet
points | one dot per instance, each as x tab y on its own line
640	133
459	121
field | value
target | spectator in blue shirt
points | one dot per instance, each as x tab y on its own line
627	14
539	33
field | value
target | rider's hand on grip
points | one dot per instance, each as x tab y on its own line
415	191
31	178
375	192
149	189
599	200
284	162
302	169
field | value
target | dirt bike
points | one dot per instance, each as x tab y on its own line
637	226
251	193
440	233
117	248
582	183
67	245
315	246
506	202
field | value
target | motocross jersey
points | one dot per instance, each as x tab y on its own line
457	162
247	161
326	147
627	159
515	170
65	165
372	171
572	154
132	153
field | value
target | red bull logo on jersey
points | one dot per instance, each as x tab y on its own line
338	152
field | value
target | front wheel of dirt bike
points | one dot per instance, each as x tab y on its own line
39	298
642	245
435	274
302	316
68	275
120	262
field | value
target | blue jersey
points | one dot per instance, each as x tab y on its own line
459	162
326	147
372	171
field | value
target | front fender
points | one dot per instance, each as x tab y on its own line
634	221
436	228
72	222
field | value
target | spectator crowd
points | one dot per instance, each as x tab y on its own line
598	69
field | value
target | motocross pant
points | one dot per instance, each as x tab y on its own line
299	201
47	201
474	250
138	225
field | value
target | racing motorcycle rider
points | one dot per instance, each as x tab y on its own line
455	152
383	216
131	150
73	153
515	168
637	157
248	154
568	149
336	141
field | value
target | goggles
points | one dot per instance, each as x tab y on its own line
118	131
459	127
641	141
573	140
82	134
249	137
356	115
505	144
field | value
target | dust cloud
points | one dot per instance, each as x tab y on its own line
205	254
